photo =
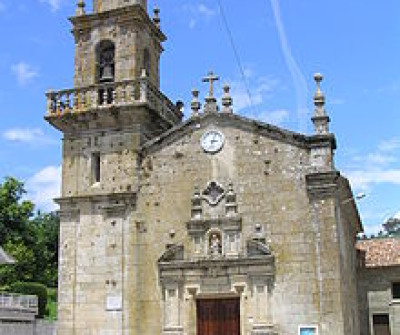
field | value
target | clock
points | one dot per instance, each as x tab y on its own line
212	141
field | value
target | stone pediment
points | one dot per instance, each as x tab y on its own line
239	122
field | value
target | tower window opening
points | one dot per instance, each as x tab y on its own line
146	61
105	72
96	167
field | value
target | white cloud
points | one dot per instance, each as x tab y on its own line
364	179
24	72
379	160
22	135
206	11
34	136
299	81
389	145
54	4
274	117
200	11
372	229
260	88
44	186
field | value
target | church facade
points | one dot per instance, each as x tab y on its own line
218	224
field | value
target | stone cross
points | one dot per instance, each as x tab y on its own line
210	79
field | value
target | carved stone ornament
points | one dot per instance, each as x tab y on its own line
213	193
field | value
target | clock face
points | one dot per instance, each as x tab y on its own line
212	141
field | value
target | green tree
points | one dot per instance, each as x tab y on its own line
45	229
33	242
24	267
14	213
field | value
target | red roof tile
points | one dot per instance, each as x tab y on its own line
380	251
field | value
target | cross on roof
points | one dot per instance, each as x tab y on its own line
210	79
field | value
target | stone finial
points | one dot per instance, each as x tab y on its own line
195	104
211	102
156	18
320	119
227	100
319	98
80	10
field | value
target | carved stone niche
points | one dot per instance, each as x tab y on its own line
206	232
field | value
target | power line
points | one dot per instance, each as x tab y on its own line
236	53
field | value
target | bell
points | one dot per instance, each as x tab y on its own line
107	73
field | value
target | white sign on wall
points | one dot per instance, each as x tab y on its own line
114	303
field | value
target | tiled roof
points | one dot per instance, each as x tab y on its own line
4	258
380	251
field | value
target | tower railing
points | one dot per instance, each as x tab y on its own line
19	303
105	95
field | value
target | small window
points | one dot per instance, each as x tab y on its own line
381	324
96	167
396	290
308	330
146	61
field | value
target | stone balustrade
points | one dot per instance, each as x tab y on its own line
19	303
105	95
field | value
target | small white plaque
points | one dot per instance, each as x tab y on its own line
114	303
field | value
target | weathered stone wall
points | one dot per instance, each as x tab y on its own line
118	161
95	235
269	178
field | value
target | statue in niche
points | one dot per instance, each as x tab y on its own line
215	245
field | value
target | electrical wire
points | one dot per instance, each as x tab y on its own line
236	53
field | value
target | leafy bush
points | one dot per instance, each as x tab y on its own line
51	308
32	289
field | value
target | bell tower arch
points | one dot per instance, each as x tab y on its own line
128	26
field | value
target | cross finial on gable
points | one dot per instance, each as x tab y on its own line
210	79
211	102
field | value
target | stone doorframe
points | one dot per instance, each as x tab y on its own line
249	277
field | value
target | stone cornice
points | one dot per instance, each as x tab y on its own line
127	14
126	197
322	185
204	264
240	122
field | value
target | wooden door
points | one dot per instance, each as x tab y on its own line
218	316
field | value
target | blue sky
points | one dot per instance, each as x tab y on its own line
280	43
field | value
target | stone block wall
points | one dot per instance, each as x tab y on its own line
269	179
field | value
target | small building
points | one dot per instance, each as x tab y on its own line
379	285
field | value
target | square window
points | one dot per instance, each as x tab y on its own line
308	330
396	290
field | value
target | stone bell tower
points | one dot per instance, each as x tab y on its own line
114	106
